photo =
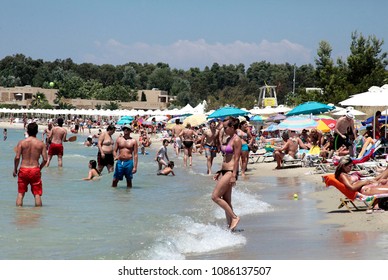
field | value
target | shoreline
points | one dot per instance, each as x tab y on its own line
327	199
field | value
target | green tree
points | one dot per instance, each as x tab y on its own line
39	100
366	62
160	78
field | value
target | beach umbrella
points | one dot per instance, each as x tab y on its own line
282	109
278	117
125	120
257	118
329	122
272	127
297	123
195	120
323	127
226	112
310	107
348	110
157	118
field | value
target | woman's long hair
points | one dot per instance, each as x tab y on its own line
344	161
93	164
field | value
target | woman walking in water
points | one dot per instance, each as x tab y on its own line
226	178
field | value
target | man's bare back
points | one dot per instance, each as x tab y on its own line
58	135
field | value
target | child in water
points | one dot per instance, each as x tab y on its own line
93	172
168	169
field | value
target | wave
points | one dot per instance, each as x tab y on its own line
186	237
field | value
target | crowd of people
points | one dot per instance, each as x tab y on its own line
231	138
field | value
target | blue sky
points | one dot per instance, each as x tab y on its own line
186	33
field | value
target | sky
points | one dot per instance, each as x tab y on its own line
187	33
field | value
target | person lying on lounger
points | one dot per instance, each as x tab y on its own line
353	181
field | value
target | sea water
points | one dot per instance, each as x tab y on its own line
162	217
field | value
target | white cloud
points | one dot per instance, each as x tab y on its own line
184	54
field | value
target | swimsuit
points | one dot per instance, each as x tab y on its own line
30	176
123	168
244	148
55	149
210	151
188	143
224	171
107	160
227	149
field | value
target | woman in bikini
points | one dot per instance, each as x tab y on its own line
353	181
105	149
227	176
246	142
93	172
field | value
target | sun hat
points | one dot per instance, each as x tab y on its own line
349	115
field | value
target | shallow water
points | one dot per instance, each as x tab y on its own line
165	217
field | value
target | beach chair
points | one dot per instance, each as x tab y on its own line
351	197
295	162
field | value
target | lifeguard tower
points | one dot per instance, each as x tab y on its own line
267	97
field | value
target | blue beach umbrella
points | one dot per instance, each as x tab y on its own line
256	118
310	107
226	112
125	120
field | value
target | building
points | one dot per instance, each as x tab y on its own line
147	99
22	96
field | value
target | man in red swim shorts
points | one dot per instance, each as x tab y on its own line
30	150
57	136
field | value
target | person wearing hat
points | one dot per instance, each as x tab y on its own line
344	132
126	154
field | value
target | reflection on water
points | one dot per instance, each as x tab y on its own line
27	217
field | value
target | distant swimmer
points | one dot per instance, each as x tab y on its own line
30	150
93	172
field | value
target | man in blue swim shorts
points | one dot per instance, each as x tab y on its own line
126	153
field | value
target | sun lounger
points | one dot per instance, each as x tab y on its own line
296	162
351	197
261	156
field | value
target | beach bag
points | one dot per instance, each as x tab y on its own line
383	203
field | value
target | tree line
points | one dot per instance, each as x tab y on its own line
218	84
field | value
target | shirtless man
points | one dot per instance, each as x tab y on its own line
105	149
56	137
289	149
46	132
176	130
344	132
187	136
209	142
125	152
30	150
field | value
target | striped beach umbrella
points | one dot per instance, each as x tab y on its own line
297	123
